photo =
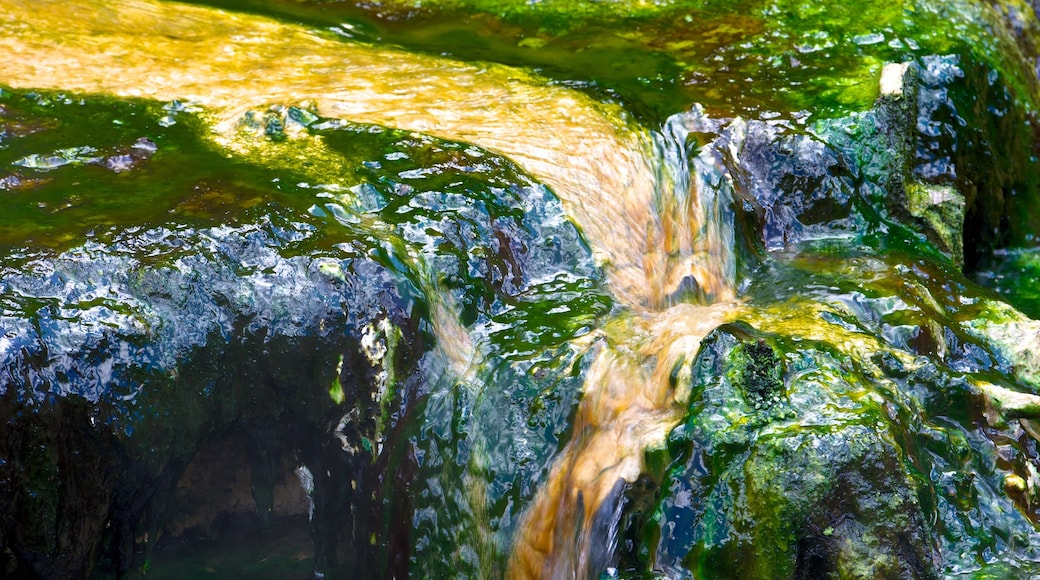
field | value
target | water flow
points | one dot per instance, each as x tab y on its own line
228	65
637	388
662	233
690	255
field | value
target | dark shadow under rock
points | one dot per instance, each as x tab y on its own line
122	361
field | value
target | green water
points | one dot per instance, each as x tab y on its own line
417	204
1015	274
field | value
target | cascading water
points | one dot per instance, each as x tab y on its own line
632	397
492	297
692	250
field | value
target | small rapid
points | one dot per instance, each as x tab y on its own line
654	207
633	397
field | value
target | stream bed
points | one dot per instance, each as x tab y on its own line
503	289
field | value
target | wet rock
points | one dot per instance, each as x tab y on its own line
840	504
1015	337
974	157
122	360
793	184
948	151
757	495
976	134
882	456
298	333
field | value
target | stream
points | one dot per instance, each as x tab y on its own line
495	289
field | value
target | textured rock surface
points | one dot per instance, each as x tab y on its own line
122	360
412	319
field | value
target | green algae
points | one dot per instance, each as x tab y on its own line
733	57
55	204
146	164
854	339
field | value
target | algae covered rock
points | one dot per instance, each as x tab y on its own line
759	493
887	451
911	161
237	308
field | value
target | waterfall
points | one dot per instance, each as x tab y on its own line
654	207
690	250
637	388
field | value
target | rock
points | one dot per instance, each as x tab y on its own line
947	151
893	385
754	494
119	368
976	134
305	333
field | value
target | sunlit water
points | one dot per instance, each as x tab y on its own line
632	396
593	159
654	206
657	227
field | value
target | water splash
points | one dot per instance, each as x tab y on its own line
633	397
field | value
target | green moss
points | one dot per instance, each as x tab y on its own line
942	209
733	57
787	509
879	429
761	374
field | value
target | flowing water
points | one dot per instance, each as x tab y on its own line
596	161
572	266
632	397
658	227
